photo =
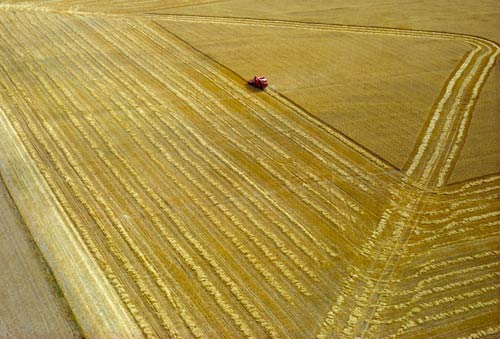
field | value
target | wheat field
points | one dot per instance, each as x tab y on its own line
172	201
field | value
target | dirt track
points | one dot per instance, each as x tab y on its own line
30	303
207	209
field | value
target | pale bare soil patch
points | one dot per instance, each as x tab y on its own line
31	303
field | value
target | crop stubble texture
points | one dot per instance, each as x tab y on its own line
218	212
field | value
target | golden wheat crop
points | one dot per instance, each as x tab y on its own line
200	208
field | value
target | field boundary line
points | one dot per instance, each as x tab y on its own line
427	171
382	163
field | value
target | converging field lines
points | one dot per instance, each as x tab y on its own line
123	153
214	211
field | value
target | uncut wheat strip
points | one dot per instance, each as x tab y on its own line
233	286
74	216
369	30
272	112
489	45
234	91
101	200
220	128
350	327
201	170
240	246
235	168
183	313
290	187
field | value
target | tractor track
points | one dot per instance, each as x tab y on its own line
179	136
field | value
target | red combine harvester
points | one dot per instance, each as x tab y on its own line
258	82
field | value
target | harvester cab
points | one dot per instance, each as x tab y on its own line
258	82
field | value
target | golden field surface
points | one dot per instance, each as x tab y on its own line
356	197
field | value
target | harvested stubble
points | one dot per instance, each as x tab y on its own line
213	211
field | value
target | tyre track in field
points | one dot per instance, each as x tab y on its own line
432	161
427	171
485	52
451	125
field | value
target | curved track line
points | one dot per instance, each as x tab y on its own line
482	49
423	145
433	159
